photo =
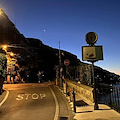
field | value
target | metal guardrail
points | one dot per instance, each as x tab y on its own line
110	95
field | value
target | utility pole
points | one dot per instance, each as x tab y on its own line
60	68
59	54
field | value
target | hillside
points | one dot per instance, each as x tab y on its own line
47	58
33	56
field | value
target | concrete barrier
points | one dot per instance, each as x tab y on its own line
83	90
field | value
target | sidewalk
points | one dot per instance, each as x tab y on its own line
87	112
104	113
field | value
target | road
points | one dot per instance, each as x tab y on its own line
32	101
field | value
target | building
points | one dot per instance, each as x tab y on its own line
14	42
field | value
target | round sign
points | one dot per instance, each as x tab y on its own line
66	62
91	37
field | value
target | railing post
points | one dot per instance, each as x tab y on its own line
74	105
118	100
110	88
71	95
115	97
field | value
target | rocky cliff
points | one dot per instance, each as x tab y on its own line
37	56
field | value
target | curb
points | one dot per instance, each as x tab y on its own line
68	103
4	97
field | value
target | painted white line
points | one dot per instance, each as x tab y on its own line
57	105
5	98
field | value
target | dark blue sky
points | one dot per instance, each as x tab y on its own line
68	21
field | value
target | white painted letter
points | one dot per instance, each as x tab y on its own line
27	96
20	97
35	96
42	96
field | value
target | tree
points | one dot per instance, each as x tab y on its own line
3	69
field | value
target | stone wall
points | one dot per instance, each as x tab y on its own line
83	90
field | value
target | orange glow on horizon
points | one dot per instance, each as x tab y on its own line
118	73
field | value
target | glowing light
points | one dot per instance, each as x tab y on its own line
1	11
4	46
11	54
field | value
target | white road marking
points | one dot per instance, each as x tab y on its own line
42	96
34	96
27	96
57	105
20	97
5	98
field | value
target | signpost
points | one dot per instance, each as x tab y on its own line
66	63
92	54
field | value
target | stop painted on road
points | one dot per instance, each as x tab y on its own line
33	96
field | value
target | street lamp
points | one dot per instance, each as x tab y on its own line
11	54
4	47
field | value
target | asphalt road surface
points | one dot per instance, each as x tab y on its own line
29	102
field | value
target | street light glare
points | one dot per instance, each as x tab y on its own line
11	54
4	46
1	11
